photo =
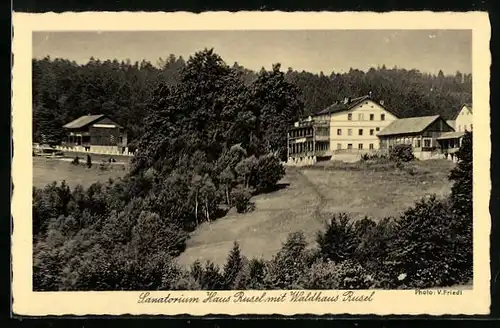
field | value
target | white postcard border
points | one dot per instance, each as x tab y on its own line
27	302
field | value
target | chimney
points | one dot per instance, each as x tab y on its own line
346	100
382	102
370	94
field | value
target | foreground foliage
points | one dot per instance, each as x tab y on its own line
90	240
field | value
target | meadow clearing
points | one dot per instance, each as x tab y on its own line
46	170
306	199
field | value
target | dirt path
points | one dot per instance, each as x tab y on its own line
320	197
260	233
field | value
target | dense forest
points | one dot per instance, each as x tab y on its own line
64	90
209	137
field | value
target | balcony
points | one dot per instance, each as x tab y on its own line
322	138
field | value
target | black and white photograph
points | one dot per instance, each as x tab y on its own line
255	166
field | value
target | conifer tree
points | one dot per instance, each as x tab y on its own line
233	266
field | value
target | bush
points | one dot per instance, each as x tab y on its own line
269	171
402	153
207	277
339	241
375	243
461	175
289	264
240	197
256	274
424	249
377	157
153	234
330	275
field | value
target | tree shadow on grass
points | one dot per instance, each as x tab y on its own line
277	187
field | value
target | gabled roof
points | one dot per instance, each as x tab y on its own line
408	125
451	123
468	105
84	121
340	106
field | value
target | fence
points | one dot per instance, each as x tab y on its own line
81	149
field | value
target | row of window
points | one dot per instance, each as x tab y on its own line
360	146
299	148
308	147
415	142
464	127
301	132
360	132
361	117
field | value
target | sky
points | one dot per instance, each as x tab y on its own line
309	50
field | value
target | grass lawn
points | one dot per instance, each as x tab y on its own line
96	158
47	170
311	196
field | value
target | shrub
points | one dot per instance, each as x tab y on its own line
153	234
289	264
207	277
245	170
50	202
330	275
121	269
461	205
47	267
402	152
461	175
269	171
339	240
375	243
256	274
240	197
424	248
378	157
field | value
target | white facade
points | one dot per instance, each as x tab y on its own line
357	128
464	119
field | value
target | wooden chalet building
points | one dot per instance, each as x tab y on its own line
420	132
96	134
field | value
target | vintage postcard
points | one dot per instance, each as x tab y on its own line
251	163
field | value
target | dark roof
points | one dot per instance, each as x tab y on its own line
340	106
84	121
451	135
408	125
